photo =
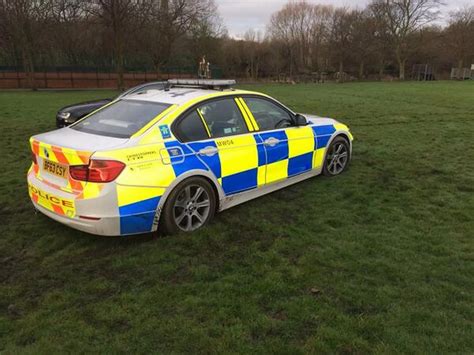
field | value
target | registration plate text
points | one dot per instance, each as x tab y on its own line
54	168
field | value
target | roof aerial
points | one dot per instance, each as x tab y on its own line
202	83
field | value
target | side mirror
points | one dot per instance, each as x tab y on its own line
300	120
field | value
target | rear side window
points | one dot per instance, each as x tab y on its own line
223	118
191	128
121	119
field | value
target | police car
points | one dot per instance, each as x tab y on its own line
170	159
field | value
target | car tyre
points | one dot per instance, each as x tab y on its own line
190	206
338	156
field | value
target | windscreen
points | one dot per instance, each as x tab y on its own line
121	119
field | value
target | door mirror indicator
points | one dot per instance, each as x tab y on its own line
300	120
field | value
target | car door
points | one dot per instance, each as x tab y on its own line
289	150
225	143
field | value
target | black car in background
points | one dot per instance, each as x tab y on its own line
70	114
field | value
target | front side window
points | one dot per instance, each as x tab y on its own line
267	114
121	119
223	118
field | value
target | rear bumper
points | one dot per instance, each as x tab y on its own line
104	226
100	208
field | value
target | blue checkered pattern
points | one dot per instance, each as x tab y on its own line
188	158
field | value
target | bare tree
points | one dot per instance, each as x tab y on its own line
320	35
363	44
70	26
117	16
253	52
23	22
342	32
293	26
403	18
206	33
171	19
460	35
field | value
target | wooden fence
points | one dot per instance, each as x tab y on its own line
77	80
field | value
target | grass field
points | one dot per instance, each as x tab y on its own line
380	259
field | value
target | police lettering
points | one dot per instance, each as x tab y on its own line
50	198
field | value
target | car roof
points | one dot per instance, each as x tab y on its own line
180	96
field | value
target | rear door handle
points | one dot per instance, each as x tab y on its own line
271	142
208	151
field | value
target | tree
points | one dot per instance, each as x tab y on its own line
342	32
292	26
363	43
252	52
460	35
23	23
67	17
402	19
171	19
118	16
320	36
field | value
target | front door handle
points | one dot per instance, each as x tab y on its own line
208	151
271	142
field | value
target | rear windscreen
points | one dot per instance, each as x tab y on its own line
121	119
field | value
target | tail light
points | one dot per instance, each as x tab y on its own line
33	158
97	171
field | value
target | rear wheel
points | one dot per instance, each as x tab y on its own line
190	206
337	157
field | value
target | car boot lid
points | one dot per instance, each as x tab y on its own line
77	140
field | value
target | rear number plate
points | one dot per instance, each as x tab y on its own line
54	168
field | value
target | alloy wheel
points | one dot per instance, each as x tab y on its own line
191	208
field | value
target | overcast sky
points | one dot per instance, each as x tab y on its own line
240	15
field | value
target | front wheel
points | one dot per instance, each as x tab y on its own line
337	157
190	206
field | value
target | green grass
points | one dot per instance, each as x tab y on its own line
380	259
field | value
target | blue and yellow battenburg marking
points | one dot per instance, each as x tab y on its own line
241	163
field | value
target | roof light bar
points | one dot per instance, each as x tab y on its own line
203	83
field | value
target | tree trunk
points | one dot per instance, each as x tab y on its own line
381	69
361	70
460	64
401	65
119	65
341	70
291	64
29	68
401	60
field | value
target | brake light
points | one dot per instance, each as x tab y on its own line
33	158
97	171
79	172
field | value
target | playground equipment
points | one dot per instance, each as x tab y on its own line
462	73
423	72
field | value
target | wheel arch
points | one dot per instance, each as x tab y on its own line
207	175
342	134
345	136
